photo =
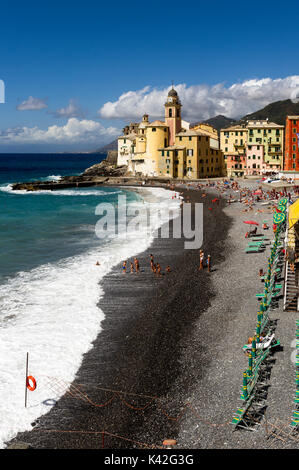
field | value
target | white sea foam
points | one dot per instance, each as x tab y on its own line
51	312
58	192
53	178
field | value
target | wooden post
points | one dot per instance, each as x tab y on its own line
27	359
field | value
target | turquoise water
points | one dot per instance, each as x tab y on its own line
38	228
50	284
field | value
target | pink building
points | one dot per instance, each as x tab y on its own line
255	163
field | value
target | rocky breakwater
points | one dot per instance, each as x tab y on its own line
93	176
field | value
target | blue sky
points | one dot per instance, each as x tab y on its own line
74	58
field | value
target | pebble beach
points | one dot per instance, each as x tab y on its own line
168	362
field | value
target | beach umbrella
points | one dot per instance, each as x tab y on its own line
278	218
283	200
250	222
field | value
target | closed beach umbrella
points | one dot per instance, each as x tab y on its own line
250	222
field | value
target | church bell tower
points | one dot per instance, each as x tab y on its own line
173	115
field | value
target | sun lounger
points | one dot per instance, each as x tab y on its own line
254	249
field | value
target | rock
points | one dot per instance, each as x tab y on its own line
96	174
19	445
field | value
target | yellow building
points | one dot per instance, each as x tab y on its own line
233	142
171	147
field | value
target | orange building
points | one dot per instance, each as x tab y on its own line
291	158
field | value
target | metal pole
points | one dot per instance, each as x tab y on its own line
27	359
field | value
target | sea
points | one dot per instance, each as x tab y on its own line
50	285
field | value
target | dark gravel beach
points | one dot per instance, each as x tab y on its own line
168	362
147	327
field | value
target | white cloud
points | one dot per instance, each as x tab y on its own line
32	104
204	101
73	132
71	110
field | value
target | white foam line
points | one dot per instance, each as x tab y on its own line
51	312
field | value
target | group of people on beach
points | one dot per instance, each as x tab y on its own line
134	266
156	268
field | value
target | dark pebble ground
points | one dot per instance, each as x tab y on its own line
176	340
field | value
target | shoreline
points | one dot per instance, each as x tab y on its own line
108	353
173	346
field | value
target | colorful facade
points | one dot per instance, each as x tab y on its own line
271	137
253	149
233	142
291	160
171	148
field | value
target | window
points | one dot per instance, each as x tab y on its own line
170	112
180	138
162	153
190	138
153	129
190	152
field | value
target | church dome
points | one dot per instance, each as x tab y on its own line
173	93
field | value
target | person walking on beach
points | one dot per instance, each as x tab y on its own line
168	269
201	259
131	267
152	261
158	269
124	267
136	262
209	263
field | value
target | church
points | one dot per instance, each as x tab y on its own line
171	148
